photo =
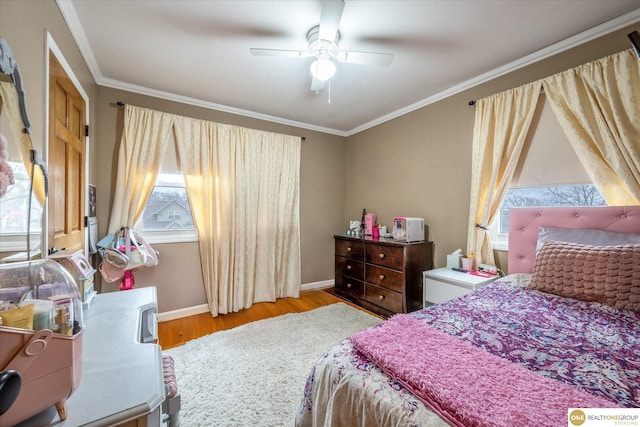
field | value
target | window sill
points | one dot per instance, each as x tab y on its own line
18	242
500	246
160	239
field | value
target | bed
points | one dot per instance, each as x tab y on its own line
523	350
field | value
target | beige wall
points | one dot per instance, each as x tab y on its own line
24	24
415	165
420	164
178	276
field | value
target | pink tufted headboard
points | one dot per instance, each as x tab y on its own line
524	224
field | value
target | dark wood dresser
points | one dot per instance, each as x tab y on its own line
381	275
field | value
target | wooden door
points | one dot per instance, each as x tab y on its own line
66	161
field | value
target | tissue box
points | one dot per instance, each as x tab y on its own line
453	260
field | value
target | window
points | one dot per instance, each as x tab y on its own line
553	195
167	216
13	218
549	173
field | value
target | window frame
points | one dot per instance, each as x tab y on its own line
500	241
170	235
14	241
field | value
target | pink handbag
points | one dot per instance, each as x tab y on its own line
110	273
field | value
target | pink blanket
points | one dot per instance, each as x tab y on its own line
464	384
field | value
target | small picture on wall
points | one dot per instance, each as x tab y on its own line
92	200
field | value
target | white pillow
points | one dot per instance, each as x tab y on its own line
585	236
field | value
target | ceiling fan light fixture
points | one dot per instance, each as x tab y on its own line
323	69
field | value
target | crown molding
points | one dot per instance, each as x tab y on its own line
71	18
116	84
554	49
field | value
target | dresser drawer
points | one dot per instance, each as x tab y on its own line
350	248
350	267
387	256
384	298
385	278
382	275
349	286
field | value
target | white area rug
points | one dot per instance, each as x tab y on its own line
254	375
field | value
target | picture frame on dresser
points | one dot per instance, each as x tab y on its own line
380	274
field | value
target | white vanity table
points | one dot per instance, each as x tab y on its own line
122	382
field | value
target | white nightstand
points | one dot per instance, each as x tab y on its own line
444	284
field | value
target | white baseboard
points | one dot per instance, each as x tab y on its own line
204	308
183	312
317	285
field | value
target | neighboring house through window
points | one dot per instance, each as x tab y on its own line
167	216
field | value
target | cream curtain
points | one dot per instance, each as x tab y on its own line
501	125
144	141
243	188
598	107
9	105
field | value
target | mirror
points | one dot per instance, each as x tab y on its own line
23	176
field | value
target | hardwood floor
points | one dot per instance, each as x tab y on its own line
176	332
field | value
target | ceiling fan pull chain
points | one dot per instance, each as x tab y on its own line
329	93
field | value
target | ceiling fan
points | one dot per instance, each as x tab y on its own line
323	42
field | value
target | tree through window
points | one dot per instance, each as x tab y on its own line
556	195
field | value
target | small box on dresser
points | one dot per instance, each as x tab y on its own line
444	284
380	274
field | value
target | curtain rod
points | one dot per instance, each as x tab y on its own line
473	101
121	104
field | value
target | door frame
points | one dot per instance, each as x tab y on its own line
52	47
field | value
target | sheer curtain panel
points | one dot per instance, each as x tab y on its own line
243	187
598	107
143	144
501	125
9	105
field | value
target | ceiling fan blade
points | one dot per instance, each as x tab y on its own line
330	19
279	52
317	84
366	58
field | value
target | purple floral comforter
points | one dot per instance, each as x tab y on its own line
584	344
590	345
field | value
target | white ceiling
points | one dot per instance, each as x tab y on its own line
198	51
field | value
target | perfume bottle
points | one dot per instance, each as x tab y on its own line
63	316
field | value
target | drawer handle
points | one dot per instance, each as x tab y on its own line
381	297
348	267
382	277
349	249
348	285
381	256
